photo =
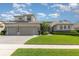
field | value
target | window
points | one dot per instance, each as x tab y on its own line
28	18
20	19
68	26
65	26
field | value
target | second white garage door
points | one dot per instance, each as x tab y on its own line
28	30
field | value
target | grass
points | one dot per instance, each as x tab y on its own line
54	39
46	52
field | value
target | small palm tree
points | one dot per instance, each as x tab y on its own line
44	28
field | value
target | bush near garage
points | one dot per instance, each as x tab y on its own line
3	32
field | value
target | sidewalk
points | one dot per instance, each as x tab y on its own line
7	49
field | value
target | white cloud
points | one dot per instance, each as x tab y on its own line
66	8
24	12
16	6
54	15
7	16
10	15
73	5
20	8
69	7
41	14
11	12
61	7
21	11
17	10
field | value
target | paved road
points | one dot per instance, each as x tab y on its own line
14	39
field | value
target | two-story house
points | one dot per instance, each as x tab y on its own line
22	25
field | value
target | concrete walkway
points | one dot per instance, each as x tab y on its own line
7	49
51	46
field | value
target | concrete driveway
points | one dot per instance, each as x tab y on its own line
14	39
8	44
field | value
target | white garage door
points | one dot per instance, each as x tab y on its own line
12	31
28	31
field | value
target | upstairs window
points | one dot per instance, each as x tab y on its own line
28	18
20	19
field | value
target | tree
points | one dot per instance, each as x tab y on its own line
44	28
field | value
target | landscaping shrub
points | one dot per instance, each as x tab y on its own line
77	30
71	32
3	32
45	33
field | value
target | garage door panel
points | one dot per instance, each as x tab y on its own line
28	31
12	31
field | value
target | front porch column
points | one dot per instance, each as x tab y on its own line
7	31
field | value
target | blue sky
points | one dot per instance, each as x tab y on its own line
42	11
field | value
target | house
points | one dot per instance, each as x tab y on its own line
27	25
76	26
61	26
22	25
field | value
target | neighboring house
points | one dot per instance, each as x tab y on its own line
27	25
76	26
61	26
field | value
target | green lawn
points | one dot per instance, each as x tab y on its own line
46	52
54	39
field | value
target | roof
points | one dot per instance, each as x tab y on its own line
24	15
60	23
